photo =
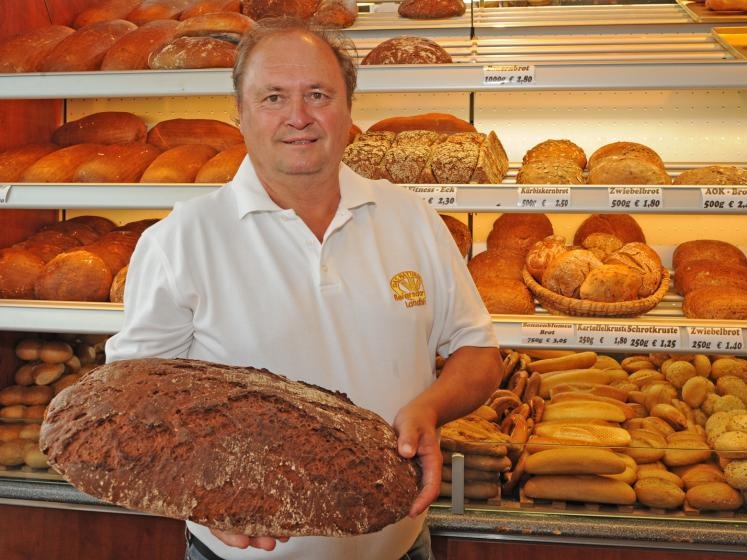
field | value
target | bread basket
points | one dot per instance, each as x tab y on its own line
558	304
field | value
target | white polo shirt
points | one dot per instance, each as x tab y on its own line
230	277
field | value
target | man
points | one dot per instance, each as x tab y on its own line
301	266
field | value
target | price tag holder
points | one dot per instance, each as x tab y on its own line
635	198
724	198
4	193
440	197
558	334
715	339
639	337
546	198
508	74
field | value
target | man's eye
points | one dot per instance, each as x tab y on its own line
317	95
274	98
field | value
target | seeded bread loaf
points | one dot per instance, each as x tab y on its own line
171	425
550	171
555	150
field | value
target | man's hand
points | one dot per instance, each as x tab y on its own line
243	541
417	437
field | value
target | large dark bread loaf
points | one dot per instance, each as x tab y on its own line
237	449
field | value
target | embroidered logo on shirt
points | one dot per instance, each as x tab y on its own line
408	287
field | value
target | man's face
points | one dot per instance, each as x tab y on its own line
293	110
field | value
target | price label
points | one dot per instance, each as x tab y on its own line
558	334
439	197
546	198
507	74
713	339
640	337
635	198
724	198
4	193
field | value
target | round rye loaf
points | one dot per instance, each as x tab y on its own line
233	448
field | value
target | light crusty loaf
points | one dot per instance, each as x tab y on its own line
26	51
622	226
210	6
336	14
171	425
611	282
133	50
713	175
14	161
431	9
627	171
222	167
85	49
178	165
437	122
702	273
407	50
617	150
542	252
105	127
59	166
104	11
643	260
364	156
711	249
555	150
149	10
117	163
716	302
175	132
566	272
601	244
193	52
550	171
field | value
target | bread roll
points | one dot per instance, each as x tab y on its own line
460	232
518	232
566	273
336	14
343	493
407	50
704	273
601	244
223	166
55	352
582	488
59	166
85	49
19	269
710	249
229	26
201	7
176	132
622	226
193	52
659	493
713	175
542	252
117	163
47	373
624	150
437	122
556	150
105	127
132	51
714	496
611	282
149	10
26	51
431	9
178	165
720	302
105	10
549	171
258	9
506	296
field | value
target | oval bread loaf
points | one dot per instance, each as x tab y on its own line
171	425
132	51
85	49
583	488
26	51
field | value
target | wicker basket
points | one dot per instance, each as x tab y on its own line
562	305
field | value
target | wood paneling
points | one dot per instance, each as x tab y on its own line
17	225
22	15
63	12
25	121
30	533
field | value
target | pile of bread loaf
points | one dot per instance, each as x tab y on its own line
117	147
712	276
430	148
48	365
665	431
81	259
157	34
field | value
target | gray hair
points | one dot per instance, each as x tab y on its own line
341	47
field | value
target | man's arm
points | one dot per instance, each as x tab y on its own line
467	379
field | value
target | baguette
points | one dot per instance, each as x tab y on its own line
592	389
482	462
577	360
569	460
599	376
582	410
594	434
582	488
625	408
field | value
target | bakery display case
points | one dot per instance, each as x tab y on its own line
593	73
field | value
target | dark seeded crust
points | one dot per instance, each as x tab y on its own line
237	449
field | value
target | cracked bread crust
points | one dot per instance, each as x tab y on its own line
237	449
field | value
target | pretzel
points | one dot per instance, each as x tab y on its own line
513	476
503	405
532	387
537	408
518	382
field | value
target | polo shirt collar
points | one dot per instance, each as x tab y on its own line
252	197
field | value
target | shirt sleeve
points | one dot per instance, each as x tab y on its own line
156	321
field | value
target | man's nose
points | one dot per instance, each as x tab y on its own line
298	114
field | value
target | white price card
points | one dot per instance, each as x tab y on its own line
559	334
635	198
508	74
4	193
546	198
715	339
724	198
437	196
643	337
